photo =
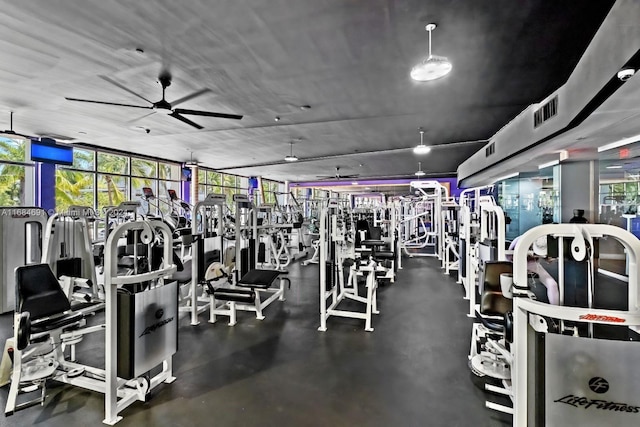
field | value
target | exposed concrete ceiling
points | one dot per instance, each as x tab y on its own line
349	61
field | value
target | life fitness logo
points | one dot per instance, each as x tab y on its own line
598	385
158	315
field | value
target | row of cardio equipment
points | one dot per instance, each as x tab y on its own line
145	274
554	336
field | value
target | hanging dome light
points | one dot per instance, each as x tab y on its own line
421	148
433	66
291	157
420	172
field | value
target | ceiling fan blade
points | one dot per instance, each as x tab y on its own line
109	103
191	96
184	119
207	113
142	117
348	176
115	83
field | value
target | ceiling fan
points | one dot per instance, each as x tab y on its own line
337	175
10	131
165	80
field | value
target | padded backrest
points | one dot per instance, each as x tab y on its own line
375	233
39	292
490	275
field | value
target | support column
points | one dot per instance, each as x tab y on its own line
193	193
579	187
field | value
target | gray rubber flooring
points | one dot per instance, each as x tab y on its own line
411	371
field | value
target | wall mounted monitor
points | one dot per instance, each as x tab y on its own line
47	151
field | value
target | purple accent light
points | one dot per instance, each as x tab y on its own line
453	183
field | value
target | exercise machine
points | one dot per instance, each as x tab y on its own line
140	326
21	230
579	378
249	288
208	245
68	250
336	253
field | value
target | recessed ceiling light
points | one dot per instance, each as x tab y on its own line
432	67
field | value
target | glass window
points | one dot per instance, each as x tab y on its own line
146	168
83	159
73	188
169	171
113	164
202	191
230	181
214	178
137	184
202	176
12	185
112	190
13	149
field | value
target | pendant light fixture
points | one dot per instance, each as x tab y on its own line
433	66
291	157
420	172
421	148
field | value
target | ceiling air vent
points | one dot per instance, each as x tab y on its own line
491	148
544	113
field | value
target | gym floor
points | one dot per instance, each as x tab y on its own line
411	371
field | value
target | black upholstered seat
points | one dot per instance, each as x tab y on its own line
492	302
259	278
38	293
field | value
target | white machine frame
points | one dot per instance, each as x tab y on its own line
527	313
492	225
214	205
244	225
331	232
119	393
72	225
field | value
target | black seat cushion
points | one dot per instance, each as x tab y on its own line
372	243
490	274
39	292
49	324
259	278
495	304
385	255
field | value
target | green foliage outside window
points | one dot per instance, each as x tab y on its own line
12	176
